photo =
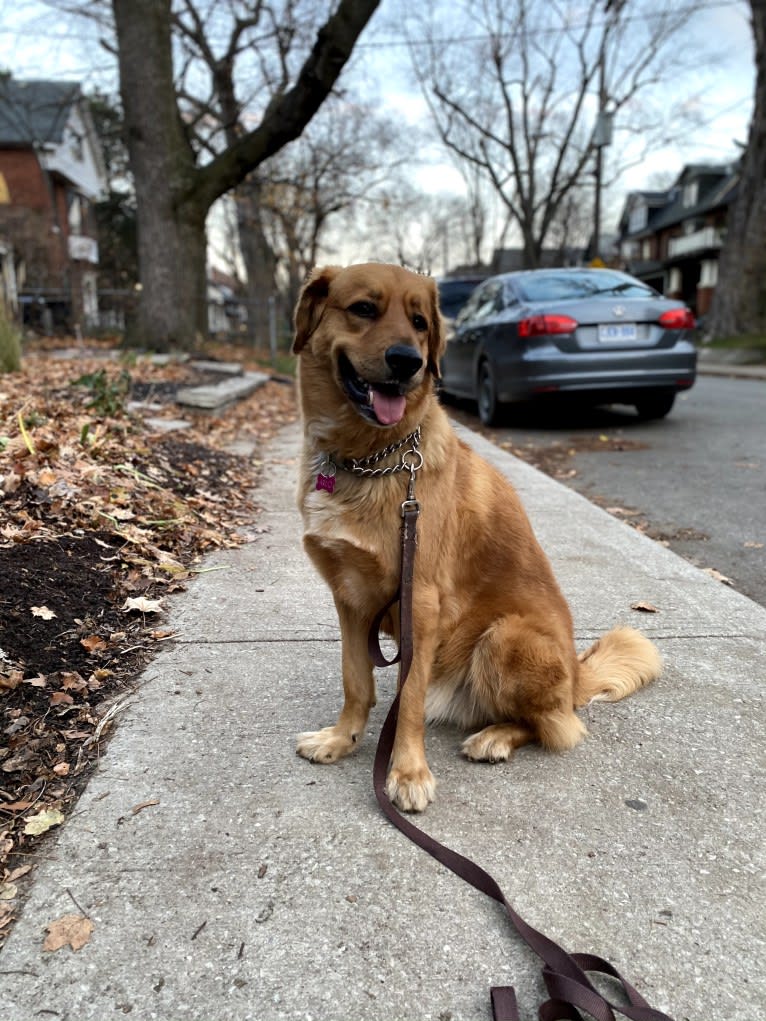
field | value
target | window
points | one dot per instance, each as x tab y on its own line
638	218
490	300
708	273
691	194
74	213
573	284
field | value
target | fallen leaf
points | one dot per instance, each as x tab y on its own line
43	611
142	805
93	643
644	607
62	769
72	681
8	891
36	682
61	698
142	604
12	680
43	821
717	575
19	872
69	930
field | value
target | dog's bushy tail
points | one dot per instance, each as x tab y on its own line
615	666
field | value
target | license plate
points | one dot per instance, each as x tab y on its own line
612	332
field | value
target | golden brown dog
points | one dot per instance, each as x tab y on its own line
492	633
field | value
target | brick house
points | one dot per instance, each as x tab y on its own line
51	172
672	239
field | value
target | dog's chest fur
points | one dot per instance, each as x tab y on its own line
352	536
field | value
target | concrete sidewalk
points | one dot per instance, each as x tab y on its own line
263	887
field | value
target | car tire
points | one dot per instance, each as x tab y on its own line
655	404
489	407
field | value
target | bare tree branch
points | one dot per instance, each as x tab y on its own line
521	107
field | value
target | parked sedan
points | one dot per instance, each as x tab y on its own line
597	334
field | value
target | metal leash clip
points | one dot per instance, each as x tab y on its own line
412	461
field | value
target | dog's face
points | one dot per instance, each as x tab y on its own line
377	329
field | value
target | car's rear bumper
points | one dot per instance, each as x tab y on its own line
545	371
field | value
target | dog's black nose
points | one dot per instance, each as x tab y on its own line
403	361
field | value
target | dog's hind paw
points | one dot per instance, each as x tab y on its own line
327	745
493	744
412	792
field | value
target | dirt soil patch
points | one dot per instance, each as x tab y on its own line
102	518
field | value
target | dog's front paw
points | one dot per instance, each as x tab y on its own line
411	790
327	745
493	744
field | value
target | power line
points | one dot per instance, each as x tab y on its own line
691	8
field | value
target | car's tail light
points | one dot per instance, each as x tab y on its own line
678	319
539	326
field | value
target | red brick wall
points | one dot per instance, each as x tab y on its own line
24	179
28	221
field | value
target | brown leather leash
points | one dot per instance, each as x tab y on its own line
565	975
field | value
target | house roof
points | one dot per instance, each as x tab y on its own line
667	208
34	111
720	192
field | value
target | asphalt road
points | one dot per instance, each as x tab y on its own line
695	480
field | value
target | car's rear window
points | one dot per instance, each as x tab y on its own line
562	286
453	294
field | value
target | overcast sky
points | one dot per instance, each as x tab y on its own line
37	42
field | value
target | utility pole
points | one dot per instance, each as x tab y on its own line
602	134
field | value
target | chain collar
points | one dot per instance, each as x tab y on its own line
366	465
410	459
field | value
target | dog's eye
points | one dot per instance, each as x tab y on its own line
419	322
363	309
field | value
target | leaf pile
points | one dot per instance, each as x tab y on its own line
101	518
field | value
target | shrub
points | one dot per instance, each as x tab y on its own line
10	344
108	394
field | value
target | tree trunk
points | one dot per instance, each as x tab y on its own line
739	302
259	260
173	194
171	234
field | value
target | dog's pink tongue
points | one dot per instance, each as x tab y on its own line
388	410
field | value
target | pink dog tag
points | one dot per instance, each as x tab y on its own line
326	482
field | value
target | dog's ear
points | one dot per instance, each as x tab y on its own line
311	304
437	340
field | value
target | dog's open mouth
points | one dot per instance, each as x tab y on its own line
383	403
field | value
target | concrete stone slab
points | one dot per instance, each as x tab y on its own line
144	406
73	353
225	368
263	887
217	395
167	425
